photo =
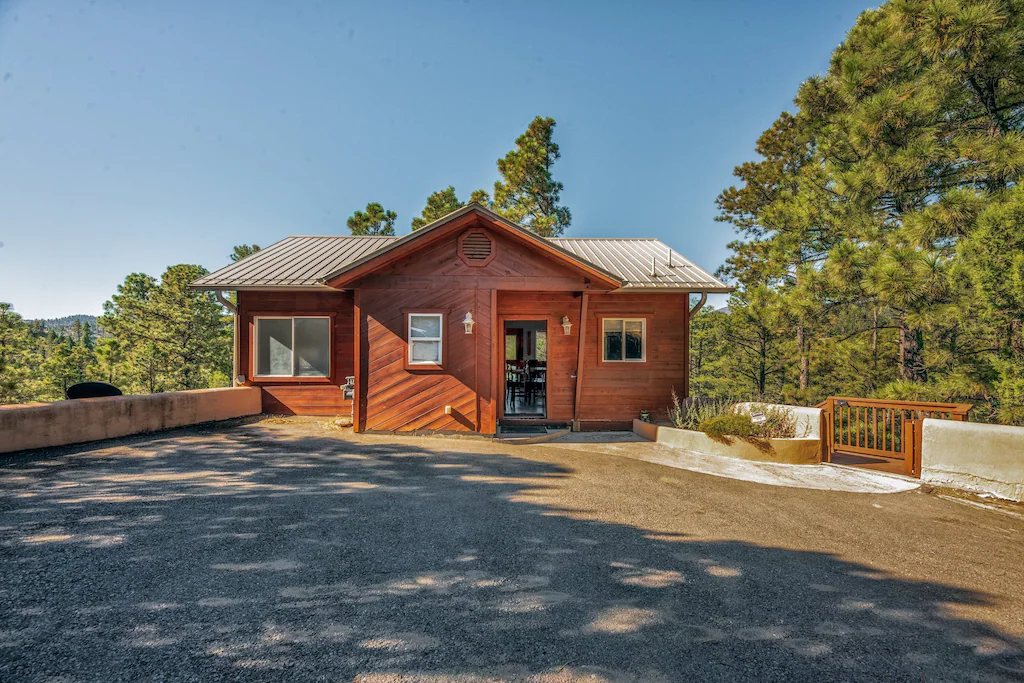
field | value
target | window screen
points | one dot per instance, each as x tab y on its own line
425	338
293	347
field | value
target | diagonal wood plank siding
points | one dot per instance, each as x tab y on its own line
399	399
395	398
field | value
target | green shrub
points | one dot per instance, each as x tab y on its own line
733	424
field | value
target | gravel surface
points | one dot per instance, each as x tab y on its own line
282	551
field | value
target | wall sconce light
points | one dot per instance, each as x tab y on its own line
469	322
566	325
240	379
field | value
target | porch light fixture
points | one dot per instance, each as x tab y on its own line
240	379
566	325
469	322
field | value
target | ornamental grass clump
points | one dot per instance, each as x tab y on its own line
691	413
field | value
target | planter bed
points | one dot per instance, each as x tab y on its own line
801	451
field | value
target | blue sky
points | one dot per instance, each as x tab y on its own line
138	134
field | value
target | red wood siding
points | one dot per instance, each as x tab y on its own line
517	284
613	394
562	349
290	397
513	267
394	398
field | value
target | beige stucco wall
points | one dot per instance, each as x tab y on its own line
808	420
970	455
40	425
803	451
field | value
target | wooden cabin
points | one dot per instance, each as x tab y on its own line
463	325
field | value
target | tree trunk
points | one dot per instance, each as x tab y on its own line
911	362
1017	338
762	370
874	350
805	361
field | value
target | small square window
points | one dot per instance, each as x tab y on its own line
425	336
624	340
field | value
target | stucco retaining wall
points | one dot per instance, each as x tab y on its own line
802	451
982	457
41	425
808	420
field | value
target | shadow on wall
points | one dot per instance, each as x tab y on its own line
244	554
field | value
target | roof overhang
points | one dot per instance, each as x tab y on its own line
262	288
695	289
468	216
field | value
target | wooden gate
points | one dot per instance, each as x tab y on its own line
878	434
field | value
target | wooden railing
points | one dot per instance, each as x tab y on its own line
889	431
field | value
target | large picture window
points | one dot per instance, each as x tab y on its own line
624	340
425	337
293	347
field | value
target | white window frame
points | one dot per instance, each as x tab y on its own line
256	349
643	340
439	339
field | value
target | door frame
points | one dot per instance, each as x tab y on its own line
499	365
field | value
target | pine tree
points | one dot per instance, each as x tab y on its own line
375	221
241	251
170	337
16	357
439	205
527	193
884	214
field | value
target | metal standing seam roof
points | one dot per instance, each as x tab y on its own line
642	263
304	262
298	261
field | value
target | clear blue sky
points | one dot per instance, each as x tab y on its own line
138	134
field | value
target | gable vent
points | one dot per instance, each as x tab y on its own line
476	248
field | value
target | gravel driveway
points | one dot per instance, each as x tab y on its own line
281	551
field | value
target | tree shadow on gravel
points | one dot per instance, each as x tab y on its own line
249	554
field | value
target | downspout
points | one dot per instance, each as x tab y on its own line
700	304
226	303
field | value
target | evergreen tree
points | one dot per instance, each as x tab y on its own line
439	205
241	251
17	358
885	213
480	197
528	194
171	337
107	362
376	220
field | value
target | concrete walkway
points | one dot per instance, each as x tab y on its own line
823	477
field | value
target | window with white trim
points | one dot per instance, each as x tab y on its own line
293	347
624	340
425	336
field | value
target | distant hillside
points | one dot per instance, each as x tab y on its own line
67	322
